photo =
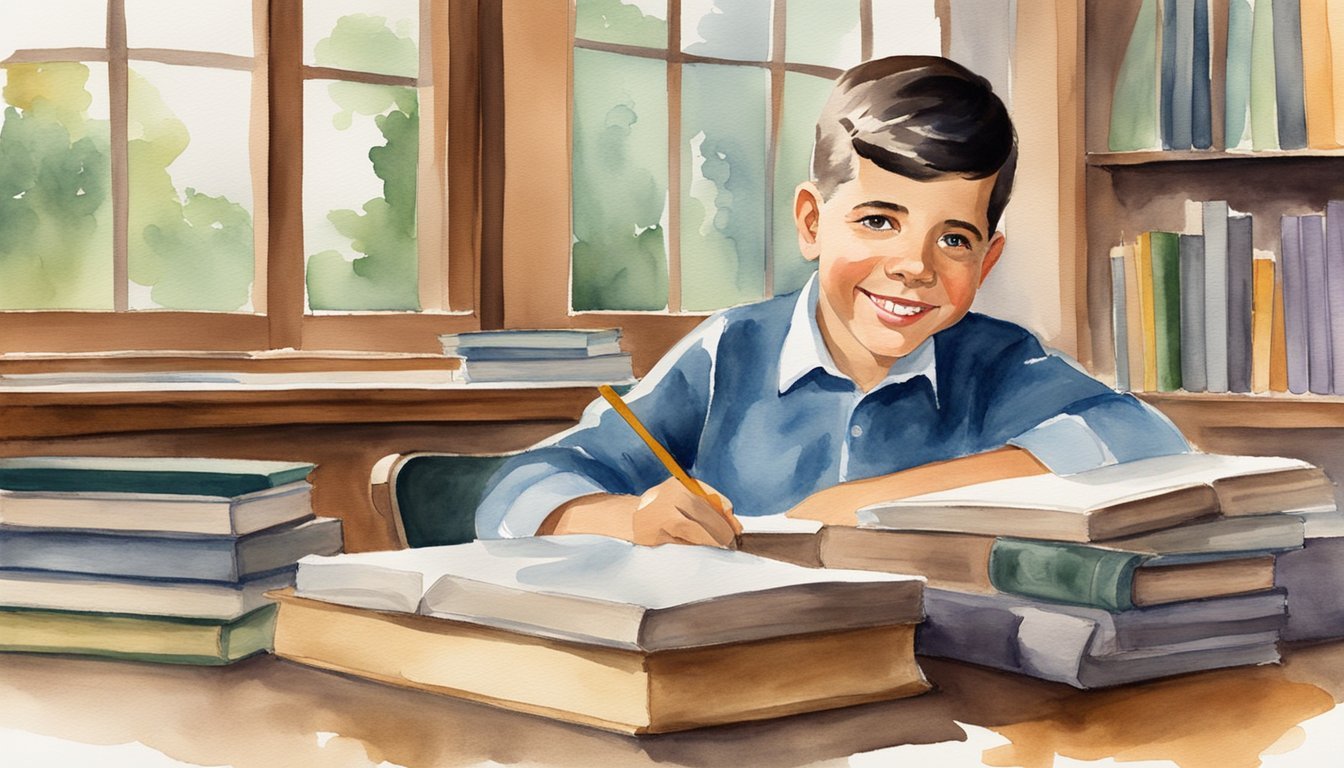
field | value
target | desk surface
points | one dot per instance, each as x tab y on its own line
267	712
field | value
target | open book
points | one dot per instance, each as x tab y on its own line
1119	500
605	633
603	591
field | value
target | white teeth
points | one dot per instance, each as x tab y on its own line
897	309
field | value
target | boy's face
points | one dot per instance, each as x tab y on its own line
899	259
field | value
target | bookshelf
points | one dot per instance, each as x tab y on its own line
1130	192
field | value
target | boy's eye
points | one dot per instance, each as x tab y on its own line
953	240
877	223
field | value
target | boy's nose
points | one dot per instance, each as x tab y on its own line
911	265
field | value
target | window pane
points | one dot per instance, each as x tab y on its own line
55	179
363	36
361	148
218	26
631	22
804	96
34	24
620	183
723	133
906	27
824	32
190	236
726	29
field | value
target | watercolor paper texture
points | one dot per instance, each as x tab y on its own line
243	229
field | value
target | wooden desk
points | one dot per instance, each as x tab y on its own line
268	712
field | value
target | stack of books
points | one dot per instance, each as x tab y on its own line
1260	76
154	559
568	355
602	632
1202	311
1130	572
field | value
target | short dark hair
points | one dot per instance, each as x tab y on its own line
923	117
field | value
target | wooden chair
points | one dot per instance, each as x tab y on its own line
432	497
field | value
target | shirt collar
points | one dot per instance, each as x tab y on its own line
804	350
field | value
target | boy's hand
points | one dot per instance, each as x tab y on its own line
832	506
666	513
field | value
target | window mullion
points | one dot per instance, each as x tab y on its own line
284	263
778	27
118	75
674	64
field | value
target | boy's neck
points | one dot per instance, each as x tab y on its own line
856	361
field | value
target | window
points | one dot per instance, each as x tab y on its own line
692	124
236	174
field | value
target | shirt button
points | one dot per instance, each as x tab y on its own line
856	431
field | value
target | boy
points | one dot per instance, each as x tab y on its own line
874	381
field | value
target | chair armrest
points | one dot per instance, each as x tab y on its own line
381	491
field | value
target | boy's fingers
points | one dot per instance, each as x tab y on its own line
725	506
686	531
701	514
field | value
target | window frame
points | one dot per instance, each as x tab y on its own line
449	191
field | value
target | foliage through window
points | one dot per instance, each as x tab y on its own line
692	124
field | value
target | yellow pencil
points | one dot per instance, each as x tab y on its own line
663	455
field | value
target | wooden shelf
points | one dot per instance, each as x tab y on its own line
1275	410
65	414
1161	157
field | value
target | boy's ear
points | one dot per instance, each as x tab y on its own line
992	255
807	217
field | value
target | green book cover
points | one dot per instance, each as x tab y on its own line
160	639
193	476
1264	95
1238	74
1166	254
1134	103
1065	573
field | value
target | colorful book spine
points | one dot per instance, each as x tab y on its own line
1334	278
1201	107
1278	342
1134	316
1166	259
1312	245
1240	278
1264	107
1134	102
1237	75
1169	74
1193	363
1180	51
1262	320
1219	15
1295	305
1119	312
1288	76
1335	24
1215	294
1318	75
1065	573
1144	258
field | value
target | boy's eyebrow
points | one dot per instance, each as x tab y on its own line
974	230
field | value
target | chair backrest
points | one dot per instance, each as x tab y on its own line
434	495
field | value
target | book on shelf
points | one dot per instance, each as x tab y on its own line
168	556
1296	316
157	512
171	475
1091	648
1114	501
1240	278
1237	76
1166	262
1136	309
1334	278
1215	230
606	633
602	369
1134	104
1318	84
1278	349
1148	309
1201	86
1119	311
1191	280
1311	231
140	638
1264	98
539	339
1114	576
1262	320
91	593
1335	25
1288	74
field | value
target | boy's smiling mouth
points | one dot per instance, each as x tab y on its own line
894	311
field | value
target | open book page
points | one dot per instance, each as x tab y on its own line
1098	488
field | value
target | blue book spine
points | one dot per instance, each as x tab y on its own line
1201	110
1119	313
1319	365
1168	74
1193	361
1240	281
1288	74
